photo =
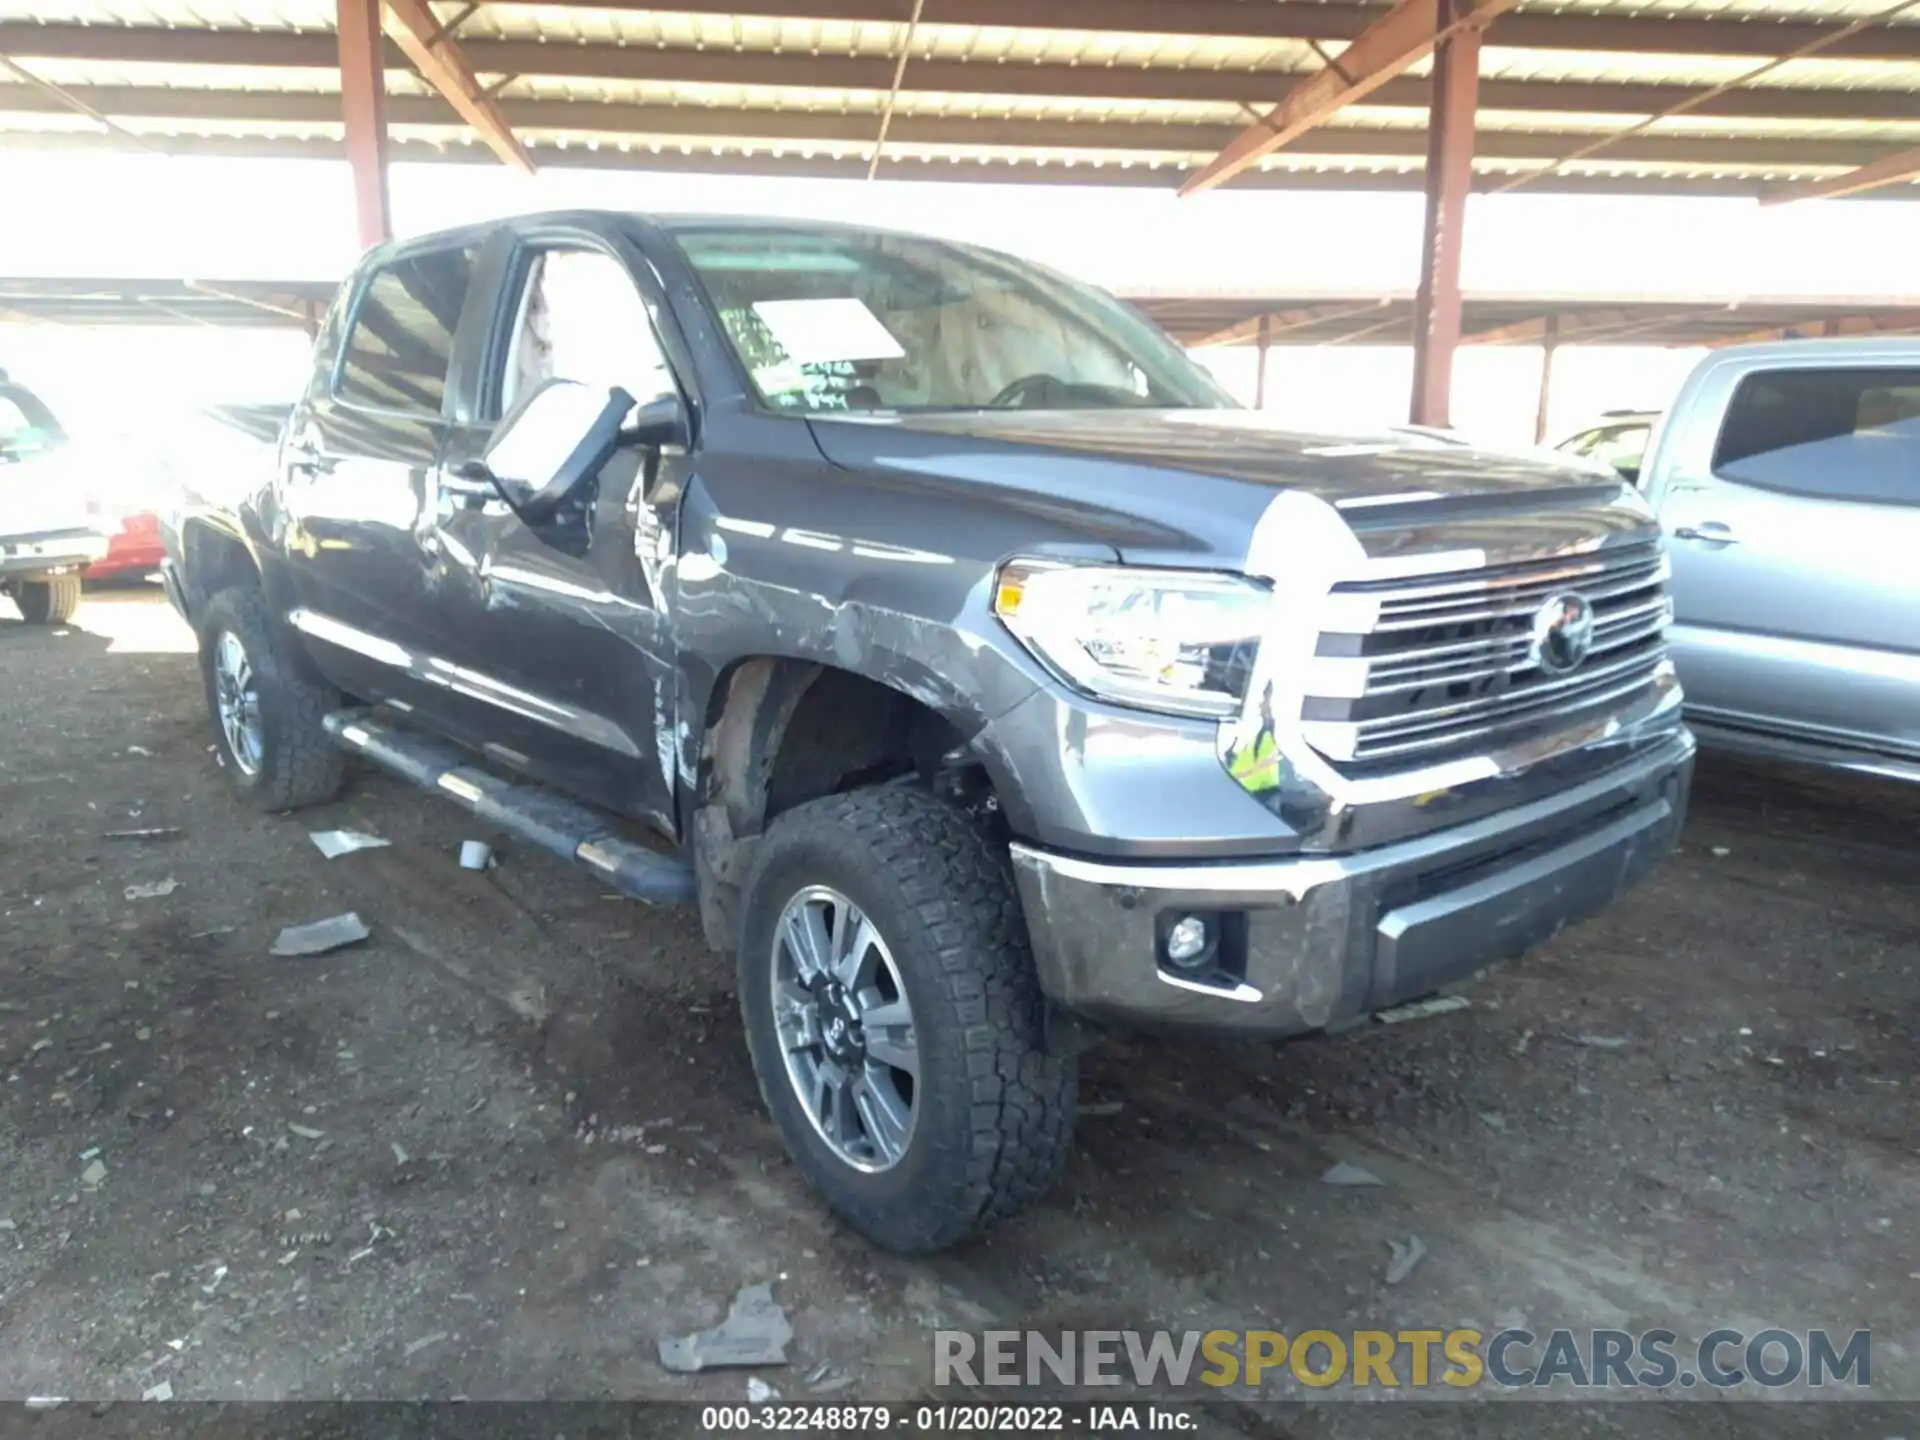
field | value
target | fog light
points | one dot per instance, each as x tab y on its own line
1188	940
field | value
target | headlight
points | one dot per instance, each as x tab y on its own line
1179	641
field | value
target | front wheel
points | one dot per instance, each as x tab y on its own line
268	713
48	602
895	1018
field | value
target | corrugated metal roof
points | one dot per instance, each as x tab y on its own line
1146	88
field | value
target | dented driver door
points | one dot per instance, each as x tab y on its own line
568	662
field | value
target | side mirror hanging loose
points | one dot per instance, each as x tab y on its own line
554	441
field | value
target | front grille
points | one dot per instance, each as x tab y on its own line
1417	671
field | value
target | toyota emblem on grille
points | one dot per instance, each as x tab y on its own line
1562	633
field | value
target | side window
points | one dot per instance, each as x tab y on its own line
581	317
402	338
1833	434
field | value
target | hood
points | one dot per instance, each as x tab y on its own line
1185	479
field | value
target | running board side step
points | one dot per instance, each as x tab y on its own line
557	825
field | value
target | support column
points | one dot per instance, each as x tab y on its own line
1450	123
1260	372
363	101
1549	342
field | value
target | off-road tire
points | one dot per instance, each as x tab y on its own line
299	763
994	1110
48	602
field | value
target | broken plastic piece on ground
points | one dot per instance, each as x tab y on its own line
321	936
1600	1042
335	843
755	1332
153	890
1405	1257
157	832
1345	1174
1422	1009
475	854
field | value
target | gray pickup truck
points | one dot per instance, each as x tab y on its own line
1788	476
984	675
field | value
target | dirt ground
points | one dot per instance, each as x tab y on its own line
508	1144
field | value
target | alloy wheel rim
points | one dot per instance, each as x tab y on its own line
846	1029
238	700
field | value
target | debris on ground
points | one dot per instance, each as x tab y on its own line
335	843
1100	1109
759	1391
475	855
414	1347
157	832
1493	1120
321	936
153	890
1405	1256
400	1156
139	750
1525	1040
1423	1009
755	1332
1600	1042
1345	1174
1721	852
162	1391
305	1132
94	1174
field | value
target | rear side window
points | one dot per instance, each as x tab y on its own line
1835	434
402	338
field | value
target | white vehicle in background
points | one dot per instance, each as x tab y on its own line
47	536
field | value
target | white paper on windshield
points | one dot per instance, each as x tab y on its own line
818	332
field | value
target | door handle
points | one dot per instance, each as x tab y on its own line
1708	532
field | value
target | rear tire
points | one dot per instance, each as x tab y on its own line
48	602
268	711
991	1112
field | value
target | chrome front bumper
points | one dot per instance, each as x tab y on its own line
1307	942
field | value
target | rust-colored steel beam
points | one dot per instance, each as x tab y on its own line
363	105
1403	37
1897	322
1436	304
1279	322
1264	339
701	124
1549	342
286	49
1703	97
434	53
1313	20
1894	169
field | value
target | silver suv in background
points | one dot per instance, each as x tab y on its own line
1787	477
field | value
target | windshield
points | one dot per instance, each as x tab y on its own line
828	320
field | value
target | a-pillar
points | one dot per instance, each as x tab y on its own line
1450	123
